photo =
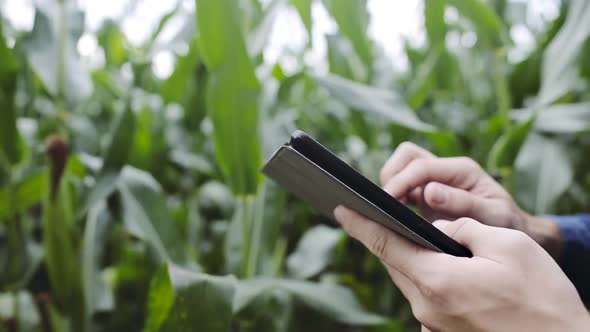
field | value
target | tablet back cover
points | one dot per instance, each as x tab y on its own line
324	192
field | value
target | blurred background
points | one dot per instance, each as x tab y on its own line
132	134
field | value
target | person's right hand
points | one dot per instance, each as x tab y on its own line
451	188
510	283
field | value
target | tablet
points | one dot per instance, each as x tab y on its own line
316	175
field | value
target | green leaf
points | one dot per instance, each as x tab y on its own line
543	172
560	119
22	196
343	60
174	88
9	137
97	295
486	22
353	21
423	82
335	302
314	251
181	300
232	94
560	73
120	142
160	300
51	50
434	20
61	252
304	9
373	100
506	148
113	40
145	214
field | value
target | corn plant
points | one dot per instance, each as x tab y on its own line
130	202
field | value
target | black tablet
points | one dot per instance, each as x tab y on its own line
317	176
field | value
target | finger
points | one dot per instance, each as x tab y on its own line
416	195
481	239
455	202
405	256
458	172
403	155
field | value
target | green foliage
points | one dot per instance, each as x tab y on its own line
160	219
232	94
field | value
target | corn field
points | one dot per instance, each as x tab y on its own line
132	202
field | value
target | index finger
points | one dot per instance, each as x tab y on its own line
405	256
401	157
458	172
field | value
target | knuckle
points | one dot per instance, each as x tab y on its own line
378	246
468	163
407	147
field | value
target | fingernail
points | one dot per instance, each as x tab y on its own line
439	195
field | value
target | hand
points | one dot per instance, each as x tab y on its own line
451	188
511	283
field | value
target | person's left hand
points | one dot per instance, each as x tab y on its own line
511	283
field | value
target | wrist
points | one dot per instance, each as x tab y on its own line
545	232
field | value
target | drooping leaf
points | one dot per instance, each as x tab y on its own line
232	94
382	102
560	118
543	172
51	50
334	301
313	252
145	214
559	72
182	300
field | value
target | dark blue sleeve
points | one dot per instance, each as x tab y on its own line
575	251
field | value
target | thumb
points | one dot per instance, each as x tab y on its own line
455	202
477	237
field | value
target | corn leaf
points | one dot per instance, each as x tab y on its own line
145	214
353	22
543	173
182	300
9	137
373	100
232	94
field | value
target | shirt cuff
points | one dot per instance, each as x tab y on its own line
575	251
